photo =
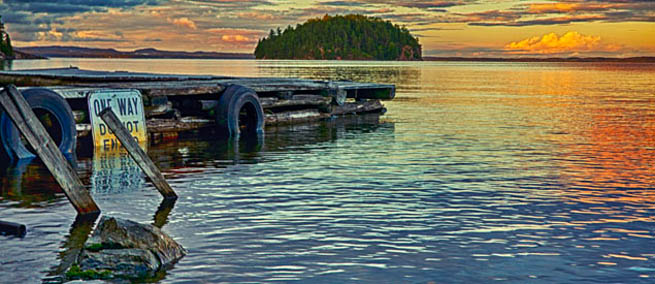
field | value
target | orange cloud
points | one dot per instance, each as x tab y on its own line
236	38
540	8
551	43
184	22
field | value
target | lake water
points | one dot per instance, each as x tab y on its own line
514	172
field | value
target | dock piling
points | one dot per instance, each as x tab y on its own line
25	120
141	158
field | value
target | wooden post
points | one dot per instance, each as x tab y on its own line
137	153
28	124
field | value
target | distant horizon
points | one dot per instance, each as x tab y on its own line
425	57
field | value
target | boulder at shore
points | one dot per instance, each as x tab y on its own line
122	248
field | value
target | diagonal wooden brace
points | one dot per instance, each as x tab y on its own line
25	120
141	158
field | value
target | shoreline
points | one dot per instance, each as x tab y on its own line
426	59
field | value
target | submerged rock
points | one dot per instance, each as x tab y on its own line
122	248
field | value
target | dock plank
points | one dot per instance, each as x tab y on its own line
82	75
80	82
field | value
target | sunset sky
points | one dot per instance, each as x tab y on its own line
445	28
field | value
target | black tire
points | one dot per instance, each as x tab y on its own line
239	112
62	127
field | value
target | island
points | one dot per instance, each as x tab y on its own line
347	37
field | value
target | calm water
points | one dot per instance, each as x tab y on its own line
516	172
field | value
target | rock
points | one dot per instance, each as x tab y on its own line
122	263
120	233
122	248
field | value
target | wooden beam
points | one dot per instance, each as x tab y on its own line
367	106
294	116
28	124
132	147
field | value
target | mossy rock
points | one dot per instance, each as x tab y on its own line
123	249
76	273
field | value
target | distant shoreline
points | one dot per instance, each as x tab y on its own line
85	52
151	53
644	59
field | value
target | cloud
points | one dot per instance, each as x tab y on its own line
419	4
68	7
235	25
546	21
36	19
564	12
495	16
570	42
345	3
229	3
257	15
183	22
542	8
236	38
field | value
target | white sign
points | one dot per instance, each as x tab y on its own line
128	106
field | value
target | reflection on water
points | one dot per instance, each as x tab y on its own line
73	243
27	184
115	171
523	172
6	64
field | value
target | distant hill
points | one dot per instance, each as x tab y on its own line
22	55
72	51
355	37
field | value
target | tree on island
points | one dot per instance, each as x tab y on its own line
5	42
356	37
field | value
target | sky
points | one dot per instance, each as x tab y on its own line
468	28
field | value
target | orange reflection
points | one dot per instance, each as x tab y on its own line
614	159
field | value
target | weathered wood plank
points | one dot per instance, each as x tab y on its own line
294	116
151	84
172	125
365	90
27	123
209	87
132	147
295	100
367	106
75	74
191	123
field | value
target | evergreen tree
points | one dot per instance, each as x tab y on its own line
5	41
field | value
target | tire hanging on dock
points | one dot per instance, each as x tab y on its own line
57	117
239	112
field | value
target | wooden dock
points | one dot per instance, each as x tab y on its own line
175	103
